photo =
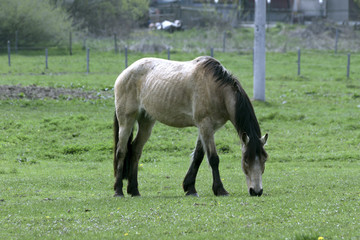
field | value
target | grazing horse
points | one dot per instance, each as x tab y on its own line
200	93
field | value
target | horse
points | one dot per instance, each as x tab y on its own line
199	93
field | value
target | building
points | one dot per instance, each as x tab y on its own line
307	10
238	11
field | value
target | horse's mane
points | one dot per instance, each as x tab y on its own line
245	118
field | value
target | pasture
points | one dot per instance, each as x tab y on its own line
56	170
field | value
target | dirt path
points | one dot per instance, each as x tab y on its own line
37	92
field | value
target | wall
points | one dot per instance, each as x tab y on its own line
310	8
338	10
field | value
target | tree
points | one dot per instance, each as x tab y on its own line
357	3
36	22
106	17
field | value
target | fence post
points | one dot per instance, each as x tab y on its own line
16	42
212	52
259	50
168	53
336	40
224	41
9	53
299	61
46	58
126	57
87	60
348	65
115	43
70	43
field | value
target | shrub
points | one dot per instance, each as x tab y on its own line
106	17
37	23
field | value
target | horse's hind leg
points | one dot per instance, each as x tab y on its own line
189	180
126	124
145	126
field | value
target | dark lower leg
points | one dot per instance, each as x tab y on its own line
118	179
189	181
124	129
144	132
118	188
217	187
132	187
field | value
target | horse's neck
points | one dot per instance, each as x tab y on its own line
243	118
230	102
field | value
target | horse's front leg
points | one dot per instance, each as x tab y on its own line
207	138
217	187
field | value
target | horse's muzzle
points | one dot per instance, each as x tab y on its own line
254	193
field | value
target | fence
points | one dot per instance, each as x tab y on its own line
319	35
302	64
338	42
227	41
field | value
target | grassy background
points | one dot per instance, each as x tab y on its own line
56	157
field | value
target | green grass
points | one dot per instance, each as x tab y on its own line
56	158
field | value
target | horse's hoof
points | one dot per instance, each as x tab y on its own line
134	193
222	193
192	194
119	195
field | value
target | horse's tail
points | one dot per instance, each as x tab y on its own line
126	166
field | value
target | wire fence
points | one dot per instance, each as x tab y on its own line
314	49
318	35
304	62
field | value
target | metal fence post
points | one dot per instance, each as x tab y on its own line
168	53
224	41
212	52
46	58
336	40
299	61
70	43
126	57
348	65
115	43
87	60
9	53
16	42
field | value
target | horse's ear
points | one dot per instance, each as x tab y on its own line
245	138
264	139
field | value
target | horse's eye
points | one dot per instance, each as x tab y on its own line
246	163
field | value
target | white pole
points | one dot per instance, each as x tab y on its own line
259	50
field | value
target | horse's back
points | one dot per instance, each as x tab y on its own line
169	91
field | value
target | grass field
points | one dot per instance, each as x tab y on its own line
56	157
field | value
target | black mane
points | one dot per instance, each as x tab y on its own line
245	119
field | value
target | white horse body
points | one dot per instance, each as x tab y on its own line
158	82
200	93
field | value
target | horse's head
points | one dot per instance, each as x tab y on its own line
253	162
